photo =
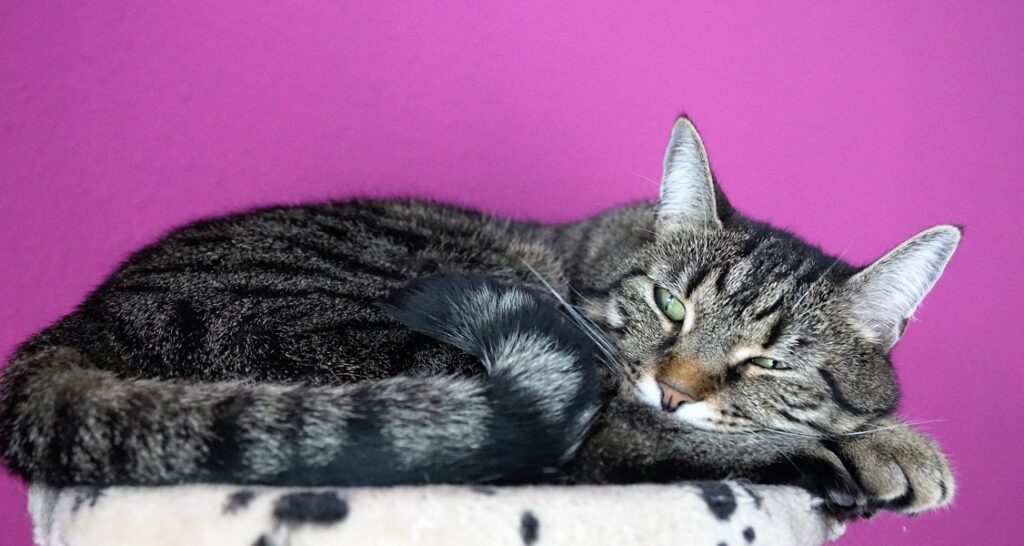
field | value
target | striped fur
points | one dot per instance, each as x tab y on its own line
379	342
75	423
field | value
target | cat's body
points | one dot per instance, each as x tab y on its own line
254	348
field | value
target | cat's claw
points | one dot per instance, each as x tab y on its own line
829	479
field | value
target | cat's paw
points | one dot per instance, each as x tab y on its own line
898	468
826	476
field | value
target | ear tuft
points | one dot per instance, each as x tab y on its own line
687	186
885	294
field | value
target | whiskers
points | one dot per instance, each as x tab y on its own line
654	182
891	427
609	354
767	440
820	435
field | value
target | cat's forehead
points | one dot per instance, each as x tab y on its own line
748	262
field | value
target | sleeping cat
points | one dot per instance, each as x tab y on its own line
383	342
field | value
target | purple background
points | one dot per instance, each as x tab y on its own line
854	124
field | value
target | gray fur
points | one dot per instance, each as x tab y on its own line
252	348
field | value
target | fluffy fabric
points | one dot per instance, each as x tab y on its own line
694	513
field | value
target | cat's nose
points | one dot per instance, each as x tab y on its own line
673	397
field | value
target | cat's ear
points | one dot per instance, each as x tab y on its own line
688	197
883	296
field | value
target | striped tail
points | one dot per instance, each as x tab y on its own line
64	421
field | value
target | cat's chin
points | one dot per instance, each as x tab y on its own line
698	415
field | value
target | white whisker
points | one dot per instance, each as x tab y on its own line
647	178
586	326
890	427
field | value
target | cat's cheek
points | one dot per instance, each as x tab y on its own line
648	392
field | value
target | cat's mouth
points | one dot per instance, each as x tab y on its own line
667	395
679	404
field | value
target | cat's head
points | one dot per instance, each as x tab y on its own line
730	324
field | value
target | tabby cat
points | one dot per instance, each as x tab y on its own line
383	342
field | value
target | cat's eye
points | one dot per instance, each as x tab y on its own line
769	363
674	309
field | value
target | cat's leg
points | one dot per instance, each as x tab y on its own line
888	466
897	467
631	443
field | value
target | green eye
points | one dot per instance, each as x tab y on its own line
669	304
770	363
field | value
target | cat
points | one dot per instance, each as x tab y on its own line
373	342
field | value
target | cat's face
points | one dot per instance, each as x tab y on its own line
731	325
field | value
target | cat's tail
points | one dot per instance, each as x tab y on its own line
65	421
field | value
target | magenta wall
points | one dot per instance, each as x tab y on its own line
855	125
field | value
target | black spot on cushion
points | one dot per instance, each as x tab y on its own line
719	498
238	500
262	541
748	534
320	508
529	527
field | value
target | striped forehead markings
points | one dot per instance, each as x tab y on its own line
776	332
723	273
751	244
614	284
769	310
694	281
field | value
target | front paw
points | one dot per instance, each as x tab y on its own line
898	468
826	476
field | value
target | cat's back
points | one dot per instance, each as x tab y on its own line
292	285
338	232
370	246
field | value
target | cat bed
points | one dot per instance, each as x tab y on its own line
692	513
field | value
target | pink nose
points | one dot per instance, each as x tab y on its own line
673	397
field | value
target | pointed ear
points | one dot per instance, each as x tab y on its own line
884	295
687	187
